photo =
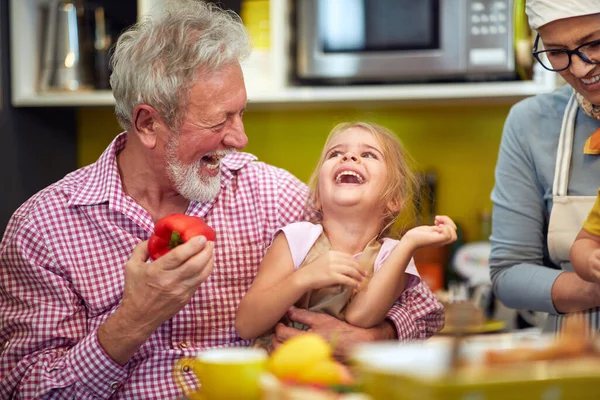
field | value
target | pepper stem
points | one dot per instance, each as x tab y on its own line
175	240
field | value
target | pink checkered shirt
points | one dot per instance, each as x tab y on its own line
61	276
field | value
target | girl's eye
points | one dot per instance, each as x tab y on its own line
334	154
368	154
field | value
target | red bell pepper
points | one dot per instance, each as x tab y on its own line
175	229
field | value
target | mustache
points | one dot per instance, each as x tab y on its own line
220	153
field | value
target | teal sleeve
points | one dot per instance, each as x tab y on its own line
519	275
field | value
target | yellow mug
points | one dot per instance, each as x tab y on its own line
223	374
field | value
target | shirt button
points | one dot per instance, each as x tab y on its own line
185	368
114	385
183	345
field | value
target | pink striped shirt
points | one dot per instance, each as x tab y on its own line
61	276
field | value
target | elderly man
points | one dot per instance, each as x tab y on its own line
84	317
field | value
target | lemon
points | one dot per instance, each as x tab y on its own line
325	372
297	355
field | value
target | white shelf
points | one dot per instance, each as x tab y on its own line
271	89
488	91
79	99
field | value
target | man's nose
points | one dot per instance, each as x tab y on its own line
236	137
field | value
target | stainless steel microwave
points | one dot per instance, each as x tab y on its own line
355	41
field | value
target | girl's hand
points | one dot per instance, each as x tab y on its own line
332	268
440	234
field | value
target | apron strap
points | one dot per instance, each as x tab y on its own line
565	149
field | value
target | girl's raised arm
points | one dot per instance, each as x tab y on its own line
371	304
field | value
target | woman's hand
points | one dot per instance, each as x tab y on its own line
440	234
332	268
594	265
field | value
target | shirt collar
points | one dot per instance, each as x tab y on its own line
103	180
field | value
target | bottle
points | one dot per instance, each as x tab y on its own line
485	225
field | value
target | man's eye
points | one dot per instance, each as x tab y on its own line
218	127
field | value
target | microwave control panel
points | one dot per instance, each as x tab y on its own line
489	31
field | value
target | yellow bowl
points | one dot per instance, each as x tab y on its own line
421	370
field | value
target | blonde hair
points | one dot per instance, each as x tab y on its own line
402	180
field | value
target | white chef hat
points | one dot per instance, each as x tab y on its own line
541	12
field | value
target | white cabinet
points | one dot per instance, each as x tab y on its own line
267	87
25	48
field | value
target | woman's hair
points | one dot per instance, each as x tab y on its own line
402	180
157	61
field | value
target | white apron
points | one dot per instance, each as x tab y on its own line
568	212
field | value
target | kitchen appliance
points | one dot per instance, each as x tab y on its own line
102	43
67	62
361	41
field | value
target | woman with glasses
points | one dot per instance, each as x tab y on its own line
548	170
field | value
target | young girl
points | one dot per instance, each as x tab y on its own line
344	264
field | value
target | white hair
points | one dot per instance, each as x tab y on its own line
157	61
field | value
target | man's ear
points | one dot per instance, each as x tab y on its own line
147	123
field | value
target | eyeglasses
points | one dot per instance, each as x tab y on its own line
560	59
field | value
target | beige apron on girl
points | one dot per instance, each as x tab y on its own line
568	212
330	300
334	299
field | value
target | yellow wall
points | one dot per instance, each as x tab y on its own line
459	142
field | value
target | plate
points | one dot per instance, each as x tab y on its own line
490	326
471	262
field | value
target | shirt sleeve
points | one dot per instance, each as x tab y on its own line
417	314
520	278
46	346
301	236
592	224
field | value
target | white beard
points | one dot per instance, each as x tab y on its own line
186	178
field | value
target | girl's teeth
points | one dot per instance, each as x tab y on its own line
338	178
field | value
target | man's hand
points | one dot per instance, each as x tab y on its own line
153	293
341	335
